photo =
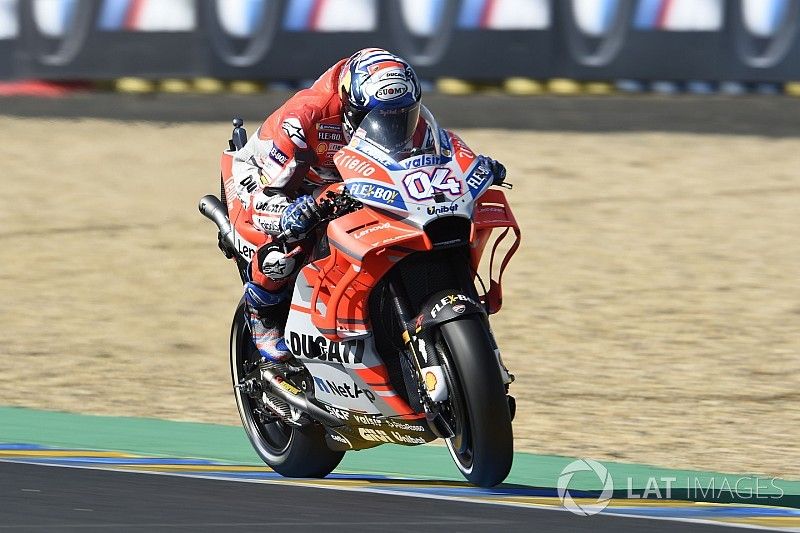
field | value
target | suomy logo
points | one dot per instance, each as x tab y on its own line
391	91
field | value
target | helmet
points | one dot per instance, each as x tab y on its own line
374	78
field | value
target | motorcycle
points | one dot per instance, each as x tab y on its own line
386	321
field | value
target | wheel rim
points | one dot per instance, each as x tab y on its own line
275	436
455	412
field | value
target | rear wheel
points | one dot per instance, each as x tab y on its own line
483	444
290	450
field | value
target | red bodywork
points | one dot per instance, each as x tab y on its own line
366	244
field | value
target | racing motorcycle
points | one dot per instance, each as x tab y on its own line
386	322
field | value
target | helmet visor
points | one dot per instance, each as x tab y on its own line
391	130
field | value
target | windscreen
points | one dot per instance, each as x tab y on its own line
391	130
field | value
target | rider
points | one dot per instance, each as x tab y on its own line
292	152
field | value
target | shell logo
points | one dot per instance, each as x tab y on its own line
430	381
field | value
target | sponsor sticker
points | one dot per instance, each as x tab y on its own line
330	136
348	390
279	157
405	426
356	164
367	420
376	193
452	300
294	130
249	184
442	209
341	414
478	180
391	91
371	229
310	347
288	387
430	381
374	435
244	248
425	160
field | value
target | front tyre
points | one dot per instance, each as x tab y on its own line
290	450
483	444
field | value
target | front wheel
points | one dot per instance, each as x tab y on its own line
290	450
477	410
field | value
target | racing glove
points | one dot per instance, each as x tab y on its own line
300	216
496	168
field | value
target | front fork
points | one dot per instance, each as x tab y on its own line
420	343
431	384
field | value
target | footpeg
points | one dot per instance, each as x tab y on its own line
512	406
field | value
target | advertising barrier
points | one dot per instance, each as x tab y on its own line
481	40
9	31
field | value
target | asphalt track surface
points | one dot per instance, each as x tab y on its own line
45	498
776	116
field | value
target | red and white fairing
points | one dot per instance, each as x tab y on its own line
328	327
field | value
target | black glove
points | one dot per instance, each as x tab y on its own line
496	168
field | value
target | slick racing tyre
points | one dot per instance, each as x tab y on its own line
483	445
290	450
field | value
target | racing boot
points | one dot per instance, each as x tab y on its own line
265	325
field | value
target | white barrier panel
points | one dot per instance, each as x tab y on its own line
422	17
347	15
147	15
9	25
694	15
504	14
166	15
240	18
594	17
331	15
763	17
519	15
680	15
53	17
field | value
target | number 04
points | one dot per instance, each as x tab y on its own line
420	185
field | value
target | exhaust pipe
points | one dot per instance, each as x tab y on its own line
297	398
211	208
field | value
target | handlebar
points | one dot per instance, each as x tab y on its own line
333	207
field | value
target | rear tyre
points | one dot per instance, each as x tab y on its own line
483	444
289	450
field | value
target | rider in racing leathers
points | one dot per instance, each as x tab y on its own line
274	169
